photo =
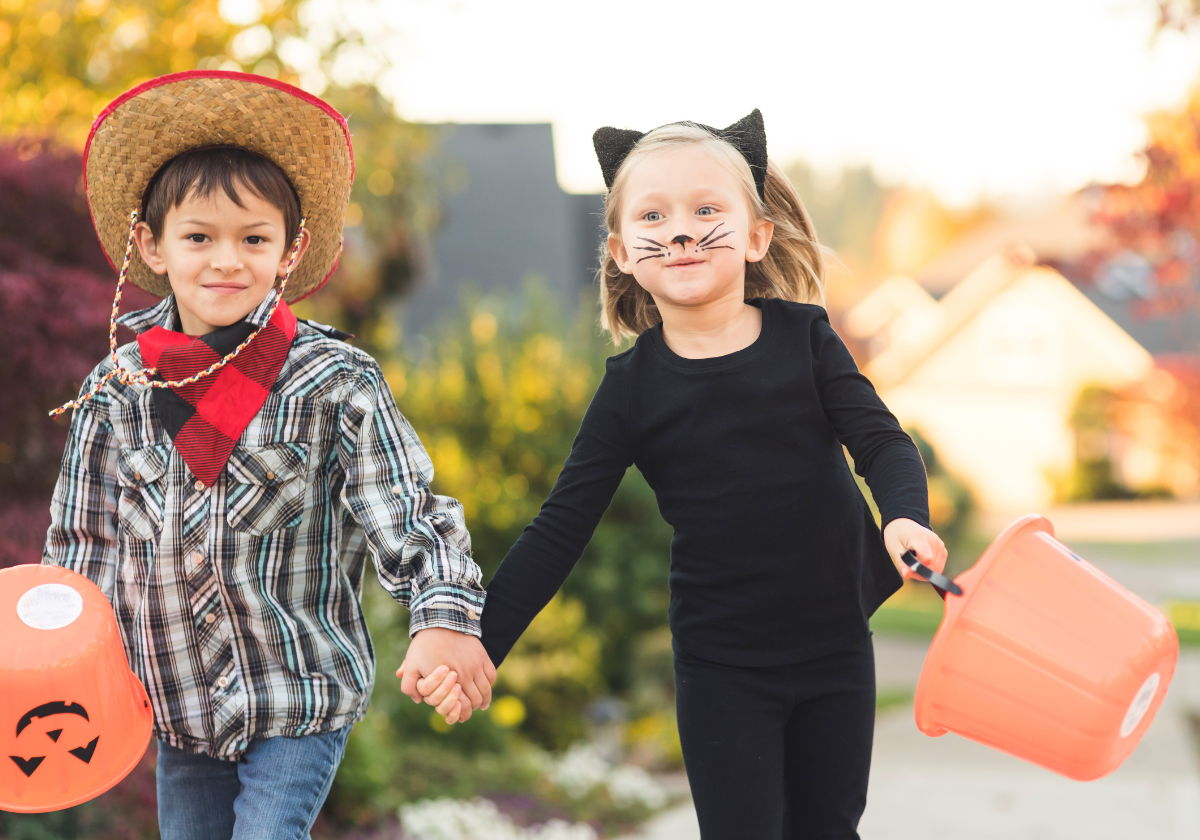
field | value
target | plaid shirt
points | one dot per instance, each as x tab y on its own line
239	604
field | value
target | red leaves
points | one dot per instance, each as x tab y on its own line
55	292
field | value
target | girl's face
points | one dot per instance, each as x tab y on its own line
687	230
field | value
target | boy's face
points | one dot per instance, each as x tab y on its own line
687	230
221	259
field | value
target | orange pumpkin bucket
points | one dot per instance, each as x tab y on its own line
1045	657
74	720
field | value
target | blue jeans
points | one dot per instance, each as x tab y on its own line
273	793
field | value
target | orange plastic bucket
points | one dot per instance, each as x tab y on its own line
1046	658
74	720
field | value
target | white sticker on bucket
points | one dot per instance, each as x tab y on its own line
50	606
1140	705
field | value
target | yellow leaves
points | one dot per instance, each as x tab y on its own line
487	490
28	36
483	328
183	36
11	5
393	372
381	182
49	24
575	384
5	34
527	419
556	648
516	486
508	711
91	8
451	381
547	351
450	459
491	377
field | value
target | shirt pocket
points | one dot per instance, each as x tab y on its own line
265	490
142	500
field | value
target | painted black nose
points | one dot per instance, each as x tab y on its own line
682	239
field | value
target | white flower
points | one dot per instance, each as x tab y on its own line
479	819
582	770
579	771
634	786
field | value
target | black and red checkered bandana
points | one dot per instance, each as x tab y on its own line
206	418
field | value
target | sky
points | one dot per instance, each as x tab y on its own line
1025	98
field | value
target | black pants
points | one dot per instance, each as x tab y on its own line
778	753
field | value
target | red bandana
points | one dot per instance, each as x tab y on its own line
206	418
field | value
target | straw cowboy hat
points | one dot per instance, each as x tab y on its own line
147	126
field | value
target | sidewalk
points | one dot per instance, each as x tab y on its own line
949	788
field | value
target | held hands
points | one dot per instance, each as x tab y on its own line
450	671
900	535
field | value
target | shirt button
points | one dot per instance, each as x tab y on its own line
397	490
270	476
199	485
471	614
211	618
222	682
197	558
137	476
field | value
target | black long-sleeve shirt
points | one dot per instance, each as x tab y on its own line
776	557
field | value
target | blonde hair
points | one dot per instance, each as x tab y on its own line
793	268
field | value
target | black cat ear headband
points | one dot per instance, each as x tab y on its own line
748	135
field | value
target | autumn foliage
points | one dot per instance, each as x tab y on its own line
55	289
1155	224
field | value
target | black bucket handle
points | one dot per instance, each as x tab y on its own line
940	582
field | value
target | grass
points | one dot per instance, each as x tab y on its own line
885	700
916	610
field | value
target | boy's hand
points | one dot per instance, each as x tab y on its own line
900	535
461	653
442	691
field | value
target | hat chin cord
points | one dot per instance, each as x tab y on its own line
145	376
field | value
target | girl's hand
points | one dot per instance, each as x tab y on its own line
900	535
446	696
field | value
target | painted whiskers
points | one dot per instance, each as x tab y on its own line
708	243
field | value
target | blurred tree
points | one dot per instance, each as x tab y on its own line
846	211
1177	14
1155	223
498	402
61	62
55	292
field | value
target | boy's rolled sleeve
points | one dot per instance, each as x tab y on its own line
418	540
83	534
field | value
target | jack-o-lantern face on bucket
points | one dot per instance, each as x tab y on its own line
73	719
54	723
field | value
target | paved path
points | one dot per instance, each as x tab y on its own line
984	795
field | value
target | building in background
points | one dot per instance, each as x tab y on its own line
503	220
991	371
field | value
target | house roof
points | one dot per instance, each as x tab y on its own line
1065	233
954	310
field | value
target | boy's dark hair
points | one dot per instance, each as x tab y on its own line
200	172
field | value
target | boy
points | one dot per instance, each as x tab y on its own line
227	474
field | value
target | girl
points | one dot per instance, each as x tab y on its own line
734	402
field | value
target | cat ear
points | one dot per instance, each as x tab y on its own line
612	146
749	136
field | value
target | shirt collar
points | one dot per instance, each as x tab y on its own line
165	314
